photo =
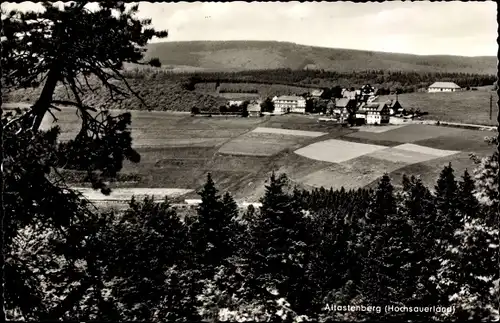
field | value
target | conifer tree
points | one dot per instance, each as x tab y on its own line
213	228
153	243
381	247
280	245
468	203
446	190
469	274
418	209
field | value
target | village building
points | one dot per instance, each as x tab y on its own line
330	106
236	103
395	107
367	93
316	94
343	108
289	104
349	94
374	113
254	109
443	87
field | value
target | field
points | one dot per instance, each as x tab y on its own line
267	142
420	150
336	151
465	107
177	151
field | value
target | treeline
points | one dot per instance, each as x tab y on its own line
306	77
406	81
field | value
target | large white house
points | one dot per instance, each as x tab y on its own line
443	87
374	113
289	103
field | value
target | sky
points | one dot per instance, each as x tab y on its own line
423	28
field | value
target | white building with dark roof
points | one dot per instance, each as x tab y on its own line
443	87
289	103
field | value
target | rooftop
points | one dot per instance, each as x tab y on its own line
253	108
343	102
445	85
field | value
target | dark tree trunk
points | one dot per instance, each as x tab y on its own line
43	103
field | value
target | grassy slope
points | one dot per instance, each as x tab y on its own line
466	107
245	55
169	159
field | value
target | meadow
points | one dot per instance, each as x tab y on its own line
178	151
465	107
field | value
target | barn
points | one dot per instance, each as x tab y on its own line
443	87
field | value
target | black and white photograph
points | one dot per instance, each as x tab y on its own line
250	161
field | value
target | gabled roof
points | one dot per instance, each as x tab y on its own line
377	106
445	85
343	102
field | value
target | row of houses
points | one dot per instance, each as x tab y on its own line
364	112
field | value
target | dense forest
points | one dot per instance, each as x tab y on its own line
404	81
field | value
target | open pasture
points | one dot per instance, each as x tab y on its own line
261	144
163	129
465	140
303	122
402	155
465	106
354	165
378	129
408	133
354	174
336	151
299	133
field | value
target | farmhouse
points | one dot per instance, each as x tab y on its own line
374	113
443	87
289	103
342	114
254	109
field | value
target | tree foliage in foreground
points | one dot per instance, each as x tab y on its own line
53	236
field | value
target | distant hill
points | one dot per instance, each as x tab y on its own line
251	55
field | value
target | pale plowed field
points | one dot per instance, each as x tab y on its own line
337	151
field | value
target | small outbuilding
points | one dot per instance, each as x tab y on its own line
254	109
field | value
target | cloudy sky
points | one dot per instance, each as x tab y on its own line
425	28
